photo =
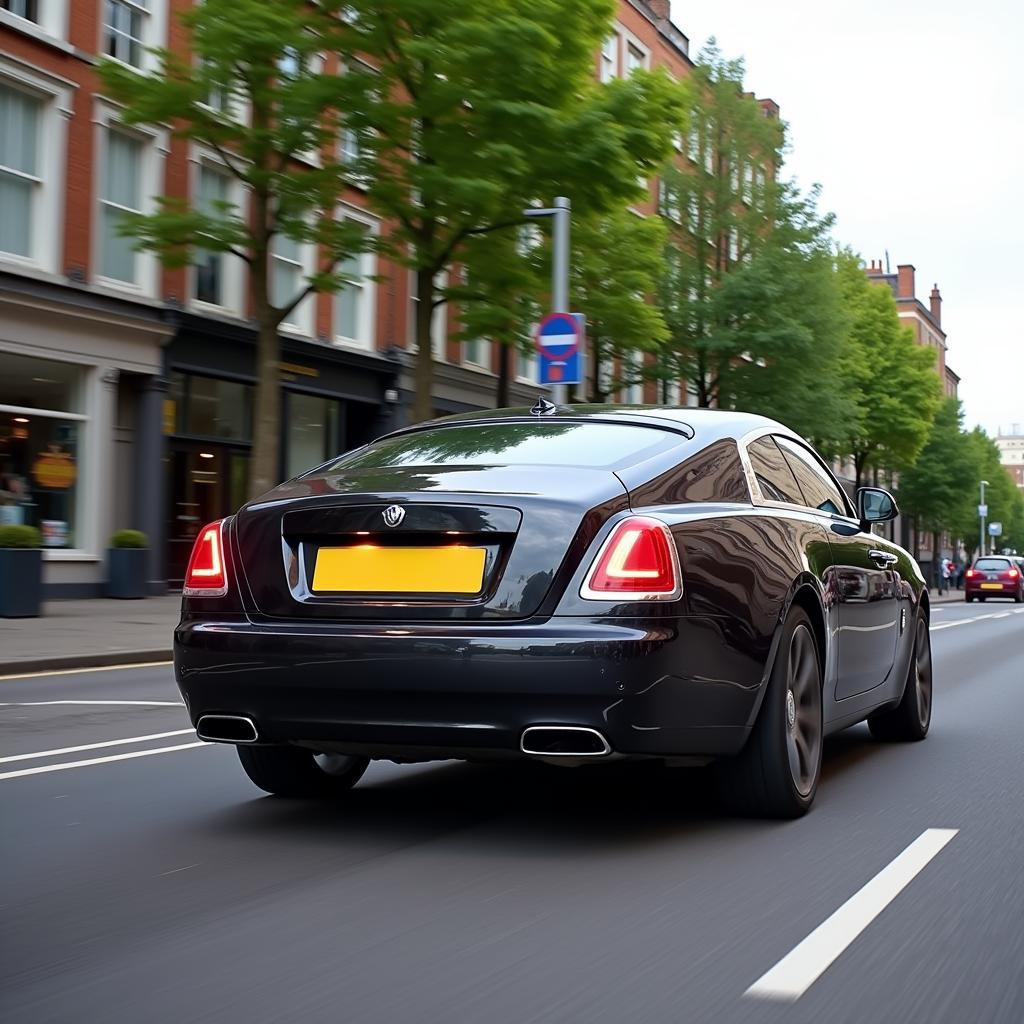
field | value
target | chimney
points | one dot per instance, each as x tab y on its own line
905	281
661	9
936	305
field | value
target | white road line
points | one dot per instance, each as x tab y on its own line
43	769
1019	611
1001	615
95	746
80	671
950	625
798	970
89	703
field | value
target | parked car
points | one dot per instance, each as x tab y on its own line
570	585
994	576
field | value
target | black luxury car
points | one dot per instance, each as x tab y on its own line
575	584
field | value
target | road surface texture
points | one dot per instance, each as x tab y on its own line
164	887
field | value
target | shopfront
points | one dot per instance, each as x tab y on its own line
331	401
79	424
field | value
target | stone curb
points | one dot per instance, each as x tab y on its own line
108	659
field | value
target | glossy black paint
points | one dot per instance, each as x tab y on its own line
420	679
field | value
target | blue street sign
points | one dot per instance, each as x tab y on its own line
559	341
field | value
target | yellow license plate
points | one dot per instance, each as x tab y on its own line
991	586
368	569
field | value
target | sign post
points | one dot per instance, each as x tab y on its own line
561	213
982	512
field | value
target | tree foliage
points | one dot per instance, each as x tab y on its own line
256	96
470	112
891	380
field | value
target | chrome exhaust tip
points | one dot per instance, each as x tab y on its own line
226	729
563	741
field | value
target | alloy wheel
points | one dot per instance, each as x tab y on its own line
803	711
923	672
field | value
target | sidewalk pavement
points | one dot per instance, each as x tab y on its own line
100	631
82	634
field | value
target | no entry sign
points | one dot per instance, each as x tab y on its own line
559	340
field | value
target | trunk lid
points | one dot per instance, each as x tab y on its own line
500	541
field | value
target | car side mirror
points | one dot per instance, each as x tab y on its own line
875	505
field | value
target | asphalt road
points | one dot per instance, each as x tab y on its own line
166	888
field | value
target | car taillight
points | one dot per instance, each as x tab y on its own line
638	561
970	574
1013	574
207	574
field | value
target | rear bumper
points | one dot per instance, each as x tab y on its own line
670	687
1003	588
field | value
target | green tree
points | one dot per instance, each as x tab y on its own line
256	96
938	488
779	318
891	380
720	204
470	112
1002	497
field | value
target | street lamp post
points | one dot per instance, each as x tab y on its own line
981	513
560	213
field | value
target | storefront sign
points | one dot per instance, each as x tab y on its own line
301	371
54	470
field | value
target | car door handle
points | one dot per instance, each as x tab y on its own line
883	557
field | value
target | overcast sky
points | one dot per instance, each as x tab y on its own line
910	115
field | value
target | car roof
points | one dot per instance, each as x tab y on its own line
706	425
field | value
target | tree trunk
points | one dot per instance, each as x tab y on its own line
504	375
264	467
423	401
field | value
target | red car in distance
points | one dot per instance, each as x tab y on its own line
994	576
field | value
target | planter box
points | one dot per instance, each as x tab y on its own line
21	582
127	569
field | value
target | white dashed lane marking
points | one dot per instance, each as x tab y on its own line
794	974
95	746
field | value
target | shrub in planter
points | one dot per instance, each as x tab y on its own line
21	572
127	564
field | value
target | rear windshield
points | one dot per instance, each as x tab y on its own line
591	445
992	564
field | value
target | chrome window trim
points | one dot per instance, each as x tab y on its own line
755	488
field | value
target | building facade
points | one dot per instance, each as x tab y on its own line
126	387
1011	453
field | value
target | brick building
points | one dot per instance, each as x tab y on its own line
1011	453
138	379
924	321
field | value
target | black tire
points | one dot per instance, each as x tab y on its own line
297	772
910	720
776	774
981	598
968	598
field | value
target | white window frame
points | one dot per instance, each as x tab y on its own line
483	353
530	364
628	40
438	319
633	394
673	393
52	24
608	69
55	97
155	147
302	319
367	320
233	269
154	32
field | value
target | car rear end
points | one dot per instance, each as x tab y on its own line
477	591
994	576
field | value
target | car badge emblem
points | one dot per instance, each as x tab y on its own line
393	515
544	408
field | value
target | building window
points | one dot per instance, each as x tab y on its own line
124	26
42	439
286	270
19	165
312	432
212	188
356	299
635	58
632	373
610	58
27	9
477	352
526	366
121	195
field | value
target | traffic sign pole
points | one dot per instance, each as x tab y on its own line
561	214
